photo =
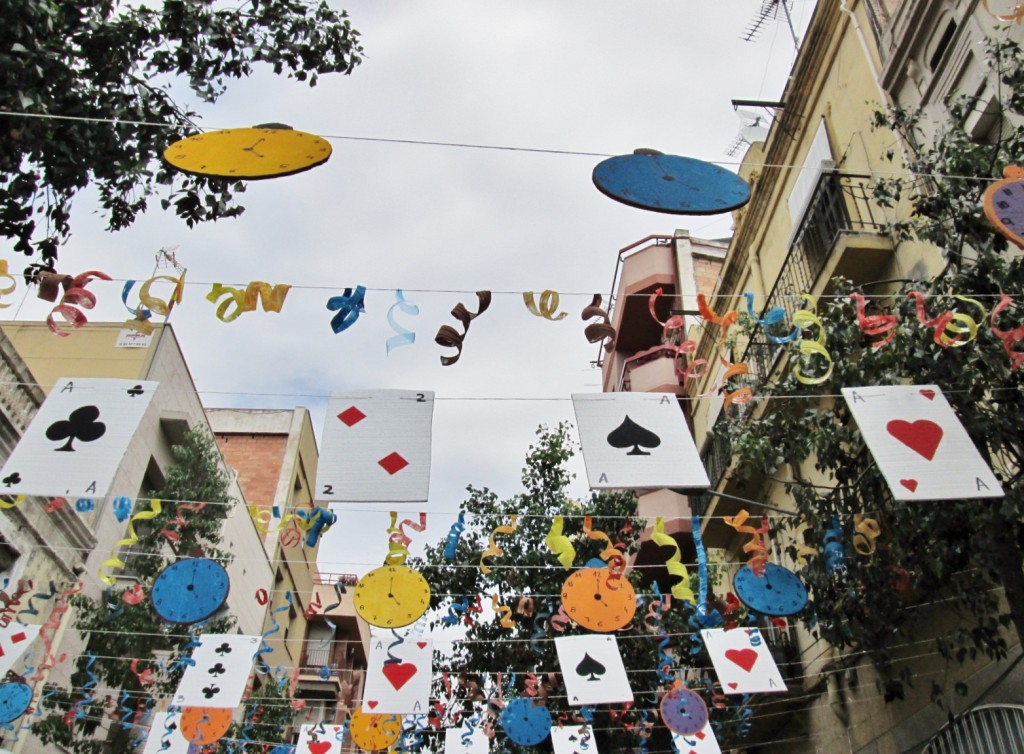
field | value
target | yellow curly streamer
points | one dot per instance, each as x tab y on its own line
504	611
674	564
867	531
154	304
5	274
262	520
17	501
559	544
115	562
548	305
493	550
805	319
245	299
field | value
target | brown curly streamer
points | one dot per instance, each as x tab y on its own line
449	337
595	332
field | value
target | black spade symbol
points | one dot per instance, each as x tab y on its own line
135	391
589	666
217	670
81	425
12	479
631	434
211	691
223	649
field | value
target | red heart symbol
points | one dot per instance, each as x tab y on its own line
372	704
399	673
745	658
910	484
928	393
732	685
922	436
421	644
320	747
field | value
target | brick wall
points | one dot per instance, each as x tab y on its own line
257	459
705	273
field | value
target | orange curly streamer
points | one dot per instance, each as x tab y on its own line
504	612
756	546
610	555
493	550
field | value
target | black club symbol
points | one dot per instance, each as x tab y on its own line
12	479
217	670
81	425
211	691
223	649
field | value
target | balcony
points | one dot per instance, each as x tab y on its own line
650	371
644	266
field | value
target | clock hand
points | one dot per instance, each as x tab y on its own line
253	148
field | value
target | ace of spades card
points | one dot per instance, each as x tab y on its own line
77	439
398	673
457	742
701	742
919	444
376	447
163	731
14	640
319	739
742	661
217	678
592	670
637	440
573	739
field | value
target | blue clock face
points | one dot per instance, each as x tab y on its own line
683	711
526	723
779	592
190	590
14	700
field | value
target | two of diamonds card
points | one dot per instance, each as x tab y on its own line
592	670
637	440
219	673
319	739
398	673
376	447
77	439
919	444
742	661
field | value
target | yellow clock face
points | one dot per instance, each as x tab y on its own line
596	603
392	596
374	732
250	153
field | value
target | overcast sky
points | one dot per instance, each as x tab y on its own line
441	222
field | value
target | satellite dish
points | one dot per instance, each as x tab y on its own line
750	134
750	115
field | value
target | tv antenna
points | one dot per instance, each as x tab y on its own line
753	127
770	9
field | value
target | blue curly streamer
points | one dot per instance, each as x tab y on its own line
774	316
261	665
122	508
31	609
85	504
403	337
454	610
165	738
86	689
540	626
454	534
142	312
349	306
128	711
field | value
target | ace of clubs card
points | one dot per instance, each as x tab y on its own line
159	727
456	742
592	670
573	739
77	439
919	444
701	742
637	440
376	447
398	674
317	739
220	673
742	661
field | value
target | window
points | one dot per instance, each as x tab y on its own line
995	728
942	45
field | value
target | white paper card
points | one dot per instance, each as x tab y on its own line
320	739
161	732
77	439
742	661
221	670
376	447
573	739
637	441
701	742
14	640
398	673
457	742
592	670
919	443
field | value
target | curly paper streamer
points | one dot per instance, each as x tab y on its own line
339	591
145	677
114	561
261	665
454	535
493	550
674	322
31	609
759	558
17	501
169	728
454	612
246	299
610	554
448	337
504	612
262	518
399	641
1010	338
349	306
549	301
702	565
398	540
806	319
1015	15
122	508
674	564
866	531
75	296
833	550
560	620
85	504
773	316
943	323
140	313
10	288
77	712
55	504
541	624
559	544
475	608
402	336
47	633
875	324
596	332
315	523
740	395
653	623
724	321
151	304
180	521
12	601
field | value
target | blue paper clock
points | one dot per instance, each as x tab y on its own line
525	722
190	590
778	592
15	699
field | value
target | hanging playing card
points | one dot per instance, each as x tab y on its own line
161	732
376	447
319	739
398	673
77	439
742	661
592	670
462	741
919	444
637	440
573	739
701	742
221	670
14	640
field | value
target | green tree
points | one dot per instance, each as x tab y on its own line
959	553
86	98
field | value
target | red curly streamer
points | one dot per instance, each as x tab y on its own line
560	620
945	322
46	634
180	521
674	322
13	601
875	324
756	545
1011	337
398	540
75	295
610	555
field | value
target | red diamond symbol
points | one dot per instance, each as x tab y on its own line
19	637
393	463
351	415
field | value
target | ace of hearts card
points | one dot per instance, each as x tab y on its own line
742	661
637	440
701	742
592	670
398	673
376	447
919	444
78	438
320	739
222	663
